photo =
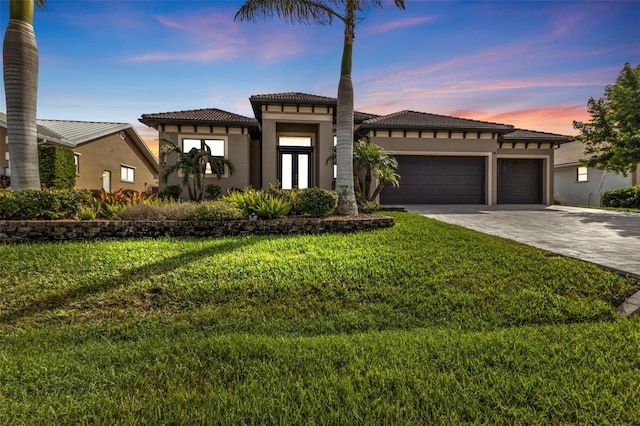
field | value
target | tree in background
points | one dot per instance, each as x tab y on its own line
20	63
193	166
612	136
322	13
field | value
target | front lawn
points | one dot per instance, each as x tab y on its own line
424	322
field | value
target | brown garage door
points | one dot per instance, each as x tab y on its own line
437	180
520	181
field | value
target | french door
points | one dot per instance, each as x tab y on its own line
295	167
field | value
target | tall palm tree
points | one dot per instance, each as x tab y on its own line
193	166
323	12
20	59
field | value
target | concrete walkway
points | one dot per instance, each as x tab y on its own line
607	238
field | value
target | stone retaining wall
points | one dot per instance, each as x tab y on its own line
32	231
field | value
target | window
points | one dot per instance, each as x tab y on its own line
294	141
582	174
216	148
127	173
76	162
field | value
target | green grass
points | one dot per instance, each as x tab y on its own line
421	323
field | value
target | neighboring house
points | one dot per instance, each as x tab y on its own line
442	160
107	155
579	185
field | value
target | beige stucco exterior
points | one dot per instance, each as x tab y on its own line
259	160
109	153
280	121
238	150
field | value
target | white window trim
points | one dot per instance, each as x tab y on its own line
584	176
201	136
128	167
76	156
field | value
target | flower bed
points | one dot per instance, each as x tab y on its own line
21	231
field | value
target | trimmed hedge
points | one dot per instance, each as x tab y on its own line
57	167
628	197
42	205
316	202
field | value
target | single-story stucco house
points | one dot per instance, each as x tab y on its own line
579	185
442	159
107	155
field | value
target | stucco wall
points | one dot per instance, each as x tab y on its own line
320	125
238	152
568	190
108	153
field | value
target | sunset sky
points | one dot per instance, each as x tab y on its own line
533	64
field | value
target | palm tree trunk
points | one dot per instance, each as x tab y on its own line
344	122
20	59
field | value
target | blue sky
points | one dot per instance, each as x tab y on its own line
533	64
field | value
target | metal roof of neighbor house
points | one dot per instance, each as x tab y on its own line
206	115
424	121
44	134
80	132
522	134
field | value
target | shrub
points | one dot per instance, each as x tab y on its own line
288	195
246	200
316	202
272	207
628	197
173	192
87	213
49	204
213	191
111	210
142	212
57	167
213	210
367	207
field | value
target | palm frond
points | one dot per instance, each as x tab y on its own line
294	11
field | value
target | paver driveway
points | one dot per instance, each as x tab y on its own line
610	239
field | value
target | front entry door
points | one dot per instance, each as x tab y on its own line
295	168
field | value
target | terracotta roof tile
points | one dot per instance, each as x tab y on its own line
294	97
420	120
522	134
207	115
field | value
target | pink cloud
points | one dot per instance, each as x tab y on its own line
554	119
215	37
393	25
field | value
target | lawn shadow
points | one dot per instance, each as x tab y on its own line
84	290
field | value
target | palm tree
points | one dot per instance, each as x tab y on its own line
193	166
373	161
323	12
20	59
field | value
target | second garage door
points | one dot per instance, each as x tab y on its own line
438	180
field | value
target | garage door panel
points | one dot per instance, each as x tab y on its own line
438	180
520	181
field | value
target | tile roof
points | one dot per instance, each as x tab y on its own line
207	115
294	97
424	121
522	134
